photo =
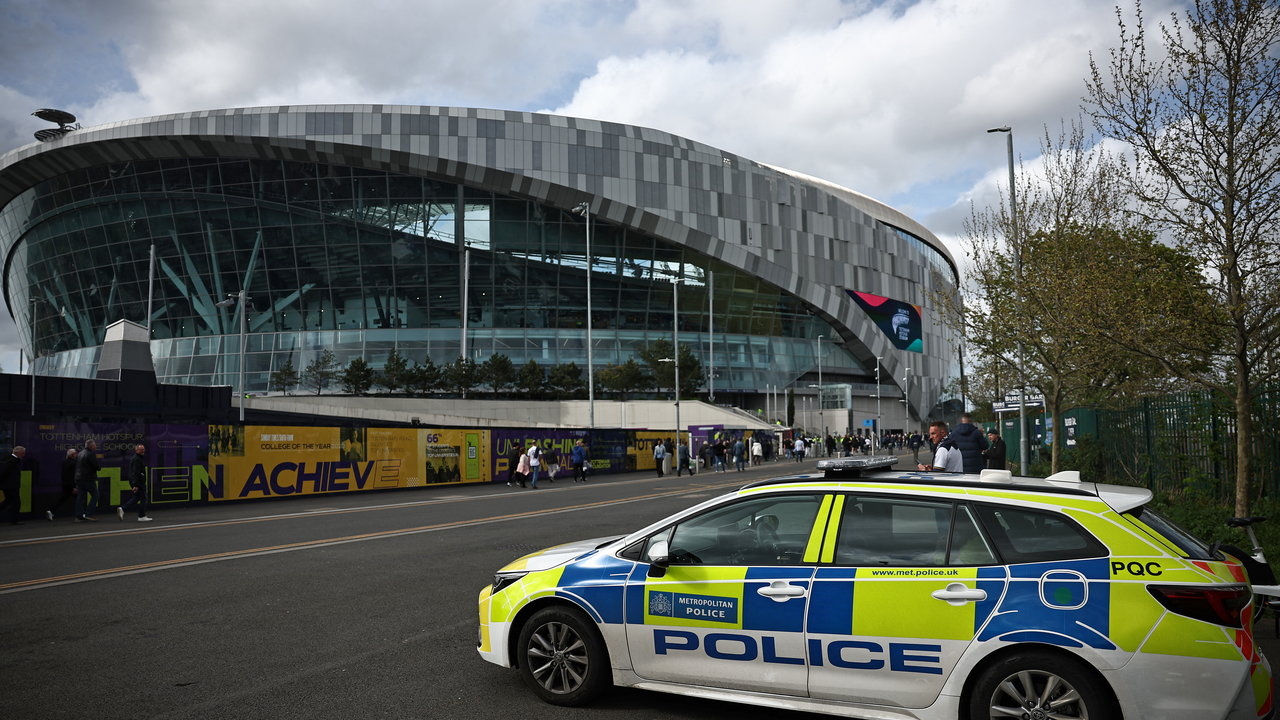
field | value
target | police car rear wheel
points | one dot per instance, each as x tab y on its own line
1039	686
562	657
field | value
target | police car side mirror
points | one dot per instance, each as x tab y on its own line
659	558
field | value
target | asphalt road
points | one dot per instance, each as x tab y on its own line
358	606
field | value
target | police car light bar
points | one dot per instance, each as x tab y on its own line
855	466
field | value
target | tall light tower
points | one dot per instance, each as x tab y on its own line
822	422
31	356
875	438
1017	272
675	350
584	209
232	300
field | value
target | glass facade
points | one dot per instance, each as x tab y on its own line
360	262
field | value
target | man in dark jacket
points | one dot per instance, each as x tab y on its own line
995	454
87	468
68	477
137	477
970	441
11	484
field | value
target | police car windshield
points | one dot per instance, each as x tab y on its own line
1191	546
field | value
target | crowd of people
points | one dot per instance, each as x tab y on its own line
964	448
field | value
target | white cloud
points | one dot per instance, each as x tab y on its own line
888	98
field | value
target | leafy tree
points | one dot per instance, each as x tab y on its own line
624	379
500	371
1058	253
567	380
395	372
656	356
358	377
530	380
423	377
461	375
285	378
321	371
1201	118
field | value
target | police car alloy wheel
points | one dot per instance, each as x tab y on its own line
562	657
1039	686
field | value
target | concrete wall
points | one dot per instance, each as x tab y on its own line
656	414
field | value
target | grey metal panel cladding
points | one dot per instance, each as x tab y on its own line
666	177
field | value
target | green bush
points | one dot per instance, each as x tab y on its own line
1205	516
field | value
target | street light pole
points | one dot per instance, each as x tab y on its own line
711	337
584	209
1017	272
822	421
31	355
875	440
675	344
234	299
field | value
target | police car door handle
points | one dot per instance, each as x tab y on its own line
959	594
781	591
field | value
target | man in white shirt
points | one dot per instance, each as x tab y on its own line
797	450
535	461
946	458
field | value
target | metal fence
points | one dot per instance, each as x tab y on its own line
1188	441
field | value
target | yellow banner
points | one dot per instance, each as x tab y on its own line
275	461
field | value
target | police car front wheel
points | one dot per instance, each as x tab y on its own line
1038	686
562	657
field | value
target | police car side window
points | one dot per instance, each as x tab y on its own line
968	546
771	530
1024	535
893	531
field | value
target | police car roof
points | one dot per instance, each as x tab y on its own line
1119	498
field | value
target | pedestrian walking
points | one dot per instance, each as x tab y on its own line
137	477
68	477
524	469
551	458
757	452
739	455
995	454
514	475
579	458
971	443
535	462
682	459
914	443
722	449
659	454
87	468
11	485
797	449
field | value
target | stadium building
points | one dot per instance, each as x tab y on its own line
442	232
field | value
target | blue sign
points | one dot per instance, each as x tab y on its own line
693	607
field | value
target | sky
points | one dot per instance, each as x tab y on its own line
891	99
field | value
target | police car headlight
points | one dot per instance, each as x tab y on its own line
502	580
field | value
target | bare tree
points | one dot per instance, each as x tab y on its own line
1013	302
1201	117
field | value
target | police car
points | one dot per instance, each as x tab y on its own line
871	593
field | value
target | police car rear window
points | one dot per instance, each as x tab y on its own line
1191	546
1023	535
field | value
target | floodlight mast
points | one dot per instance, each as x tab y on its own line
584	209
232	300
1023	440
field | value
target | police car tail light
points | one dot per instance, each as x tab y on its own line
1218	605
